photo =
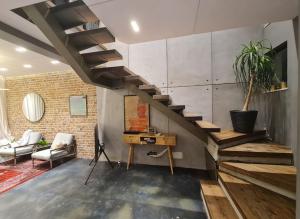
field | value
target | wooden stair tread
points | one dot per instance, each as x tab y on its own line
253	201
73	14
177	108
150	89
258	149
136	80
192	117
89	38
116	72
98	58
282	176
228	136
217	204
162	98
209	127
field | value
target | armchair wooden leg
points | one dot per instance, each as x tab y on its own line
15	161
51	164
32	162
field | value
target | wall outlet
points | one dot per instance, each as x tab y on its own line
177	155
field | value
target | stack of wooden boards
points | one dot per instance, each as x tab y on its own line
251	177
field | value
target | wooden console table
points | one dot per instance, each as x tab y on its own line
150	139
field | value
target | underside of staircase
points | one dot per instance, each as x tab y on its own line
251	176
65	26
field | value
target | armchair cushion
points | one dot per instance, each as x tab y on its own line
62	139
34	137
45	154
10	150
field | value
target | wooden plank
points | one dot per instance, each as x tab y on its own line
101	57
257	149
217	204
135	80
202	135
253	201
150	89
73	14
192	117
177	108
117	72
229	136
89	38
207	126
280	176
165	99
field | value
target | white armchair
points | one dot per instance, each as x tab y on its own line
64	145
22	147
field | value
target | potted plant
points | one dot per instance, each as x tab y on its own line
254	72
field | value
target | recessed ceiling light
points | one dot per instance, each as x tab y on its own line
21	49
135	26
3	69
55	62
27	66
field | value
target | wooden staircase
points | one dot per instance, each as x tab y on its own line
251	176
64	24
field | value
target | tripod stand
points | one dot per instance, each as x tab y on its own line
99	149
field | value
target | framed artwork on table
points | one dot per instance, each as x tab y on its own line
78	105
136	114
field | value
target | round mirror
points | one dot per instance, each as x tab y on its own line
33	107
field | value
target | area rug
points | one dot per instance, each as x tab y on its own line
12	176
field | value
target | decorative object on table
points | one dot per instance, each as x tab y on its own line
254	72
136	114
33	107
152	130
78	105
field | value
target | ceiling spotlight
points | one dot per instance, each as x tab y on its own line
3	69
21	49
135	26
55	62
27	66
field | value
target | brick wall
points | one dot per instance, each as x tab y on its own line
55	89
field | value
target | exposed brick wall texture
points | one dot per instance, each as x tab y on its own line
55	89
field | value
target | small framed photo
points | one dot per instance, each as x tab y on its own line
78	105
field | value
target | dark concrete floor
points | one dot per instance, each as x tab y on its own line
142	192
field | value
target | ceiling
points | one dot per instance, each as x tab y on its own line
14	61
160	19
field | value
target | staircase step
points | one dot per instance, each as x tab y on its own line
165	99
207	126
277	178
150	89
257	152
177	108
229	138
136	80
101	57
85	39
117	72
73	14
192	117
252	201
216	203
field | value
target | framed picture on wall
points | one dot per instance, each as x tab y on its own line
78	105
136	114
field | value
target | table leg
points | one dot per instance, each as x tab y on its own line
129	156
170	159
132	155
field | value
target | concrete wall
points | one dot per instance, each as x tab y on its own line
281	117
194	70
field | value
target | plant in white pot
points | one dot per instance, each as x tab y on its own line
254	72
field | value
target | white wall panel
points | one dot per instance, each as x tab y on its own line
197	99
189	60
226	45
149	61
